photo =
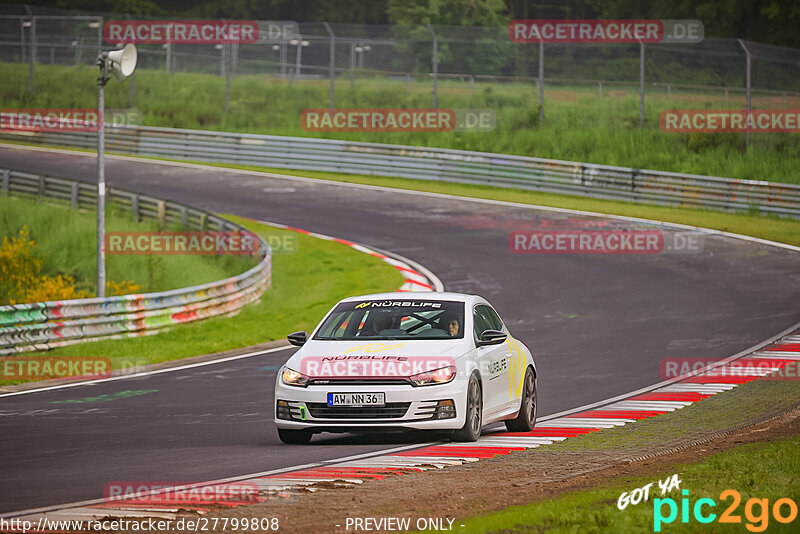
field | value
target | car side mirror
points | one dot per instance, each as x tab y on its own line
298	338
491	337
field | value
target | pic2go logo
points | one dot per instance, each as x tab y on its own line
756	511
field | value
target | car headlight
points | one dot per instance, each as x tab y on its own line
290	377
442	375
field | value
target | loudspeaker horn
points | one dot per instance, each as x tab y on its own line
122	62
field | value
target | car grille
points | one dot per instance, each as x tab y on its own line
358	382
392	410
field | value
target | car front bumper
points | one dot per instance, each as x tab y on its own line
406	407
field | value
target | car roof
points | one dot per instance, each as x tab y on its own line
418	295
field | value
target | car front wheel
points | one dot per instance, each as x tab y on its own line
296	437
526	419
471	430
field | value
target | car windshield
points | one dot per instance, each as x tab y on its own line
394	319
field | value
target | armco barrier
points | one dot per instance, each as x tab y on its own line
45	325
552	176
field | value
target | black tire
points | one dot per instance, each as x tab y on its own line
471	430
526	418
295	437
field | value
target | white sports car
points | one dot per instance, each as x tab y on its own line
438	361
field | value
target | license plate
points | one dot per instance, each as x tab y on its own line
356	399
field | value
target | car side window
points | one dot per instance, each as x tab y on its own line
497	324
479	319
486	319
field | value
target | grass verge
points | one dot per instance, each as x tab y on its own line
305	285
761	470
579	125
65	242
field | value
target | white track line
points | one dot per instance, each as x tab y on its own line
148	373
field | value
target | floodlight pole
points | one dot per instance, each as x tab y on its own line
102	62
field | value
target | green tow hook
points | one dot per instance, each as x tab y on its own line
302	413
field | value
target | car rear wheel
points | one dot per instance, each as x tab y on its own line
471	430
526	418
297	437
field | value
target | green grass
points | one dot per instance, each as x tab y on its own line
66	243
578	125
761	470
305	285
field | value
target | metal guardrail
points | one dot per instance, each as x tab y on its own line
45	325
520	172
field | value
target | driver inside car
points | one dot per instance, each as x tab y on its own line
450	324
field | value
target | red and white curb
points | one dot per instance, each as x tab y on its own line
416	277
665	397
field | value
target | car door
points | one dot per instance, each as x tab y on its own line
493	361
516	364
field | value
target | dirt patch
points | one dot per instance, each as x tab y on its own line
565	95
494	484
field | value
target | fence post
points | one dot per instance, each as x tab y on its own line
22	38
32	59
162	215
600	88
234	57
40	191
135	207
541	81
227	69
435	60
184	218
168	62
332	65
284	56
352	64
99	21
641	84
747	55
5	183
73	196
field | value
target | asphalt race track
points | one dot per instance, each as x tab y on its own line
599	326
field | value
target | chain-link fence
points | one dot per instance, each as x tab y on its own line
434	59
